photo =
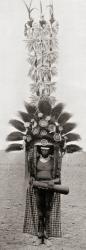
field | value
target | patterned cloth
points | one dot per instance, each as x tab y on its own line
31	215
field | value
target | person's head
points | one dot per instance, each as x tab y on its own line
45	151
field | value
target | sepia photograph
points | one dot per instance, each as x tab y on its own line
42	124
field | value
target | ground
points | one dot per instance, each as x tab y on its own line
12	205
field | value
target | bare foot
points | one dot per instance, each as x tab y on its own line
36	242
48	243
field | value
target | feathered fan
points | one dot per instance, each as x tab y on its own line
25	116
56	111
68	127
44	106
18	125
31	109
15	136
73	148
72	137
64	117
14	147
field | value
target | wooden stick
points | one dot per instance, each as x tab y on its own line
56	188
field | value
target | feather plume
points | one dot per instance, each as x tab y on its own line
64	117
17	124
72	137
56	111
15	136
67	127
44	106
41	10
30	4
32	72
14	147
73	148
53	71
29	10
24	116
31	109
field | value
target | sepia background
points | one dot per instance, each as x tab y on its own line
14	89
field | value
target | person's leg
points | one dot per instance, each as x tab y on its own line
48	206
40	207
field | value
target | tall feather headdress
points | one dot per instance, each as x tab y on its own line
44	119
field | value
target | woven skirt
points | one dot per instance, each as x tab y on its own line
31	214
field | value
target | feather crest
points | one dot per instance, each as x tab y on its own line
56	111
24	116
68	127
31	109
17	124
73	148
45	106
15	136
14	147
72	137
64	117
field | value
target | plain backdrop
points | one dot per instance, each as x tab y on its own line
71	78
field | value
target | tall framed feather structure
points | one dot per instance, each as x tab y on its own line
45	122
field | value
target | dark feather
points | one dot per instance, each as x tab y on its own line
72	137
56	111
18	125
31	109
14	147
15	136
45	106
73	148
25	116
64	117
68	127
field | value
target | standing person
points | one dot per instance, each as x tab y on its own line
42	214
44	173
44	123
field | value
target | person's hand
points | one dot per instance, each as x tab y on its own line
57	180
31	180
51	183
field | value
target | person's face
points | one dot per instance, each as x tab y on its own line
44	152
